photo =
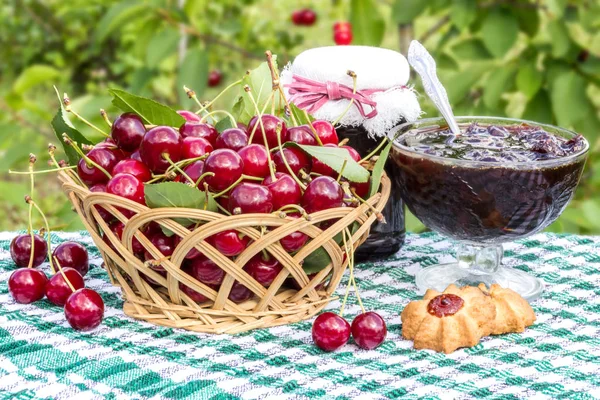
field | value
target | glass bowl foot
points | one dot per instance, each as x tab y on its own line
439	276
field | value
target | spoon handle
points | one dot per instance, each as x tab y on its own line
422	62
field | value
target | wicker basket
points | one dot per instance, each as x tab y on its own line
163	303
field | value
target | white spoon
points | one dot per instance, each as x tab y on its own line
422	62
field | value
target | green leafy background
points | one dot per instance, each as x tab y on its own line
537	60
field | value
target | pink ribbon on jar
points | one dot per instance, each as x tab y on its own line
311	95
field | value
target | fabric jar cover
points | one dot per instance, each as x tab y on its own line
318	82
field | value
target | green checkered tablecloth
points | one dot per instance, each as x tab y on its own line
558	357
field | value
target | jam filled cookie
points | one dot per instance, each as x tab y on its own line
449	320
513	313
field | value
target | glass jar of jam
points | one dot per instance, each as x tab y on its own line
386	238
365	92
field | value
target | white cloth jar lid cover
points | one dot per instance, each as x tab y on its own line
318	82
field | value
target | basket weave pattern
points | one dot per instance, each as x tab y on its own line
163	303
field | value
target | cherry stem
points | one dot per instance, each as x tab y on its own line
353	76
287	166
260	114
342	170
349	280
312	128
352	193
191	94
234	184
204	175
186	162
264	134
105	118
352	276
44	171
30	224
343	142
371	154
34	204
67	104
293	208
64	275
88	160
276	84
166	157
210	114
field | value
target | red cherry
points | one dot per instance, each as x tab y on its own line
298	17
325	131
369	330
263	269
341	26
104	214
188	115
361	188
330	331
250	198
193	253
227	167
90	175
198	129
72	255
84	309
296	159
206	271
230	243
193	147
27	285
133	167
194	171
233	138
255	159
214	78
270	128
322	193
301	134
127	131
293	242
284	190
57	289
353	153
20	250
116	227
136	155
242	126
342	38
309	17
239	293
128	187
157	143
195	296
111	146
165	245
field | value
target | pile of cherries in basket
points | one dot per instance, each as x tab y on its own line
244	168
84	308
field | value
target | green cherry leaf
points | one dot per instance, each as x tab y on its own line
223	124
61	124
377	172
334	158
179	195
152	112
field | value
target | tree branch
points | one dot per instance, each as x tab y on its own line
207	38
436	27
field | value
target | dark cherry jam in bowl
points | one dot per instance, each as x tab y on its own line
501	180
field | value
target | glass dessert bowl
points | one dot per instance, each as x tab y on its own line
501	180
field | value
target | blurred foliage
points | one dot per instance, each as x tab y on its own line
538	60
